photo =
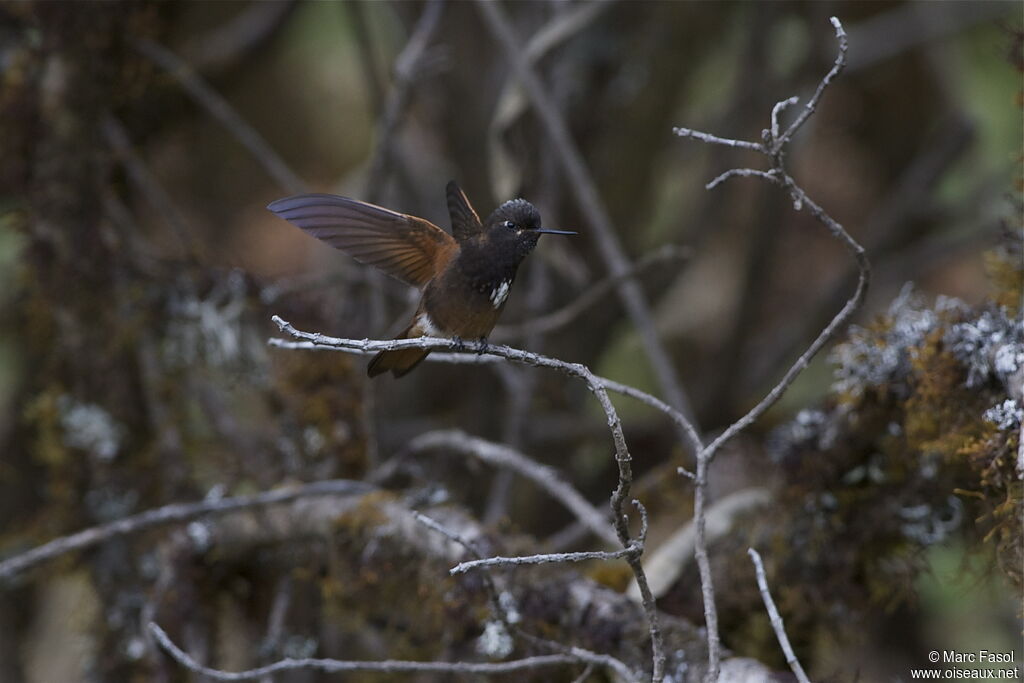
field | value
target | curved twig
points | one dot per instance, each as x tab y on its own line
597	387
169	514
339	666
499	455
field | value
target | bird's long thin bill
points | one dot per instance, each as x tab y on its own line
555	232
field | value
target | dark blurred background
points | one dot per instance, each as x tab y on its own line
140	268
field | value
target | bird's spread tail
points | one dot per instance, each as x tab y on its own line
399	362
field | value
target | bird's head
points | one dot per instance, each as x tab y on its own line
520	219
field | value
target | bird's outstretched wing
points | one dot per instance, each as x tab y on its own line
408	248
465	222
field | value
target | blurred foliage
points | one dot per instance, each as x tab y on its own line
135	298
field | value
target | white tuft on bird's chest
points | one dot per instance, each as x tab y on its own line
500	293
427	327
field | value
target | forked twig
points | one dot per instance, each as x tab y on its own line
598	386
772	146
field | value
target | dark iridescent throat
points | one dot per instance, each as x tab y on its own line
508	238
494	258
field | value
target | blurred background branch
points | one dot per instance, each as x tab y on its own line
141	142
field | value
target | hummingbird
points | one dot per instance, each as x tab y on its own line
464	277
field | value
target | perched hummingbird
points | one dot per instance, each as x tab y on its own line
465	279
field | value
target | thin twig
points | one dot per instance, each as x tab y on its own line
777	110
715	140
221	110
772	147
741	172
480	355
544	558
839	321
590	203
499	455
408	65
812	104
339	666
169	514
596	385
566	22
584	675
594	293
490	353
687	428
892	222
276	619
700	552
146	182
634	550
508	615
776	619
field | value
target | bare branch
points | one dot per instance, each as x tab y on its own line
688	430
498	455
700	552
596	385
549	558
276	619
674	554
491	353
743	172
595	293
511	103
408	65
809	108
635	549
221	110
773	148
715	140
777	110
339	666
776	618
156	195
584	675
502	610
838	322
169	514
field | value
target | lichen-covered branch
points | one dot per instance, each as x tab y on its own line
175	513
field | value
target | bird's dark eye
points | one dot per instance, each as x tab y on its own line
510	225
